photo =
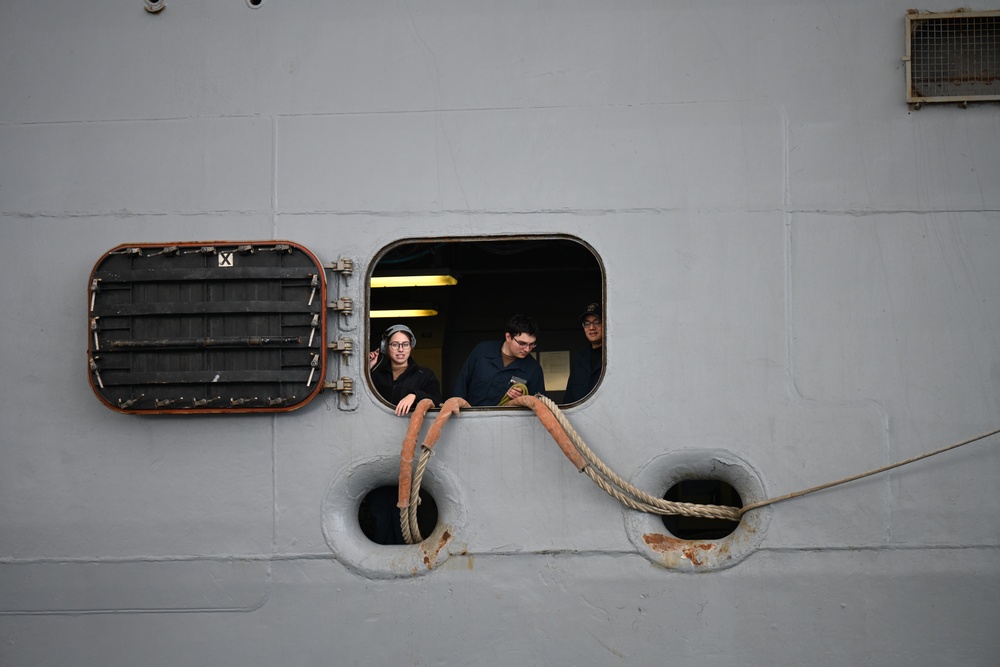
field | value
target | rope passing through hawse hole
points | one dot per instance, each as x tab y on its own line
581	456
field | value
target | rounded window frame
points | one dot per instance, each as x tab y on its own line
370	331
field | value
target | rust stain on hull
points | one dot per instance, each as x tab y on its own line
431	554
697	553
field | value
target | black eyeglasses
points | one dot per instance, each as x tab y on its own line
405	345
525	346
590	323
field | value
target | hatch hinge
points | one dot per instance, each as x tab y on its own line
343	305
344	385
343	266
345	346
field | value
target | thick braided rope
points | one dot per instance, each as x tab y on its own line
642	500
633	497
404	524
406	463
625	493
408	518
616	493
733	513
411	511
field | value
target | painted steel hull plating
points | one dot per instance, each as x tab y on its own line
801	283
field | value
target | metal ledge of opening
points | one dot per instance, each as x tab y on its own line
952	57
220	327
649	535
350	546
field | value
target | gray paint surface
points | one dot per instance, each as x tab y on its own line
801	271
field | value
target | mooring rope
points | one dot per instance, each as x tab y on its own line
625	492
406	469
796	494
586	461
409	493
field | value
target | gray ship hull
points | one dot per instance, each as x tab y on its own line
800	279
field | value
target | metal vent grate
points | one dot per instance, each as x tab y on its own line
953	57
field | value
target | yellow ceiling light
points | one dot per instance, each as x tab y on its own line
414	281
405	312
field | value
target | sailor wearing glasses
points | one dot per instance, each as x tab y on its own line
498	372
397	377
585	366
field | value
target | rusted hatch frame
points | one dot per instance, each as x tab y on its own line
207	327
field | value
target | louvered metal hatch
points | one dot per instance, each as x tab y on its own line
952	57
220	327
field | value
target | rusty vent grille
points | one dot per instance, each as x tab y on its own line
953	57
195	327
